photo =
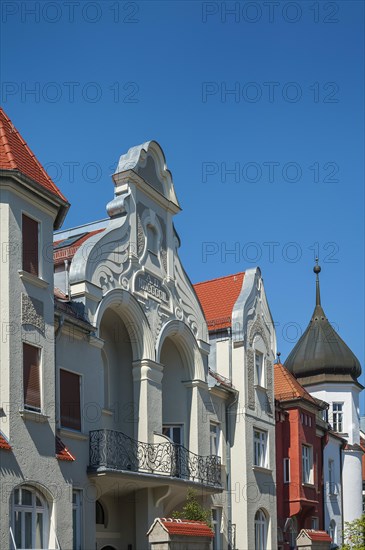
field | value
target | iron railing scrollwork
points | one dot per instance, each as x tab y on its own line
117	451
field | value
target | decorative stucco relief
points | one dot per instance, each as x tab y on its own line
32	312
110	259
269	386
250	378
257	328
187	303
140	232
163	247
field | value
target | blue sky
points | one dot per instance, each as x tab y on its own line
259	111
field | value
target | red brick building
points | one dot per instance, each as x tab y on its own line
300	437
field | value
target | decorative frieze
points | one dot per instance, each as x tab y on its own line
32	312
250	359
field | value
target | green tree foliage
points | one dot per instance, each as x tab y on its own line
193	510
354	534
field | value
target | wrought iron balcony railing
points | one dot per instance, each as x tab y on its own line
117	451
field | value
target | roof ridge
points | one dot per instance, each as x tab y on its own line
219	278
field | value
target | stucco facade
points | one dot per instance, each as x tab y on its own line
132	333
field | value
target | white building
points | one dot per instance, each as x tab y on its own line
243	348
329	371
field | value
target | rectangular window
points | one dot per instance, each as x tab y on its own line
260	444
307	464
259	369
31	377
30	245
216	525
325	415
337	417
173	432
214	439
286	470
314	523
70	386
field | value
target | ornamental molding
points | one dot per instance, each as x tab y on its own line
33	312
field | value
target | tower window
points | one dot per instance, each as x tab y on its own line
337	417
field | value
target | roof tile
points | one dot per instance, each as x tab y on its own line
186	527
62	452
287	386
4	444
16	155
217	298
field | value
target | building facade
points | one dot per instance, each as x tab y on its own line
104	383
243	347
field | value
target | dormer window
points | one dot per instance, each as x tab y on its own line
30	245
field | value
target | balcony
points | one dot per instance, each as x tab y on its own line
112	450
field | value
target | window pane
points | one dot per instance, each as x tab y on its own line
18	529
30	245
39	531
26	497
70	400
31	378
28	529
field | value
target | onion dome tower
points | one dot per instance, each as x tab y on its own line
321	354
329	370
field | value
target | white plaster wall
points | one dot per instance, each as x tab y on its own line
352	486
333	503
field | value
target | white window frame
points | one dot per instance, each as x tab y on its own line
77	542
315	523
261	529
286	470
307	464
260	448
170	427
337	416
214	439
33	509
27	407
259	369
216	526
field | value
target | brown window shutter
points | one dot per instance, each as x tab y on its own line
31	377
30	245
70	400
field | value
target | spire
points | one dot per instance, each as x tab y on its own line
317	270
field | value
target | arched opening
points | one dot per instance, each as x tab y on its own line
332	531
30	518
175	402
261	529
117	358
152	239
100	518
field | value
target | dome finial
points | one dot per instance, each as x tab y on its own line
278	357
317	270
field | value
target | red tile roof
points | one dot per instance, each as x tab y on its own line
16	155
317	536
287	386
62	453
217	298
69	252
186	527
4	444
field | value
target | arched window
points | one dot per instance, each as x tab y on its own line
260	530
332	531
30	518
